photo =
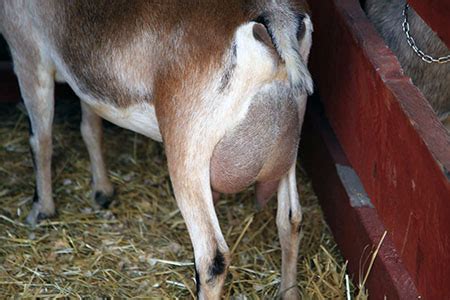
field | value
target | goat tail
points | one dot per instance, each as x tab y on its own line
283	25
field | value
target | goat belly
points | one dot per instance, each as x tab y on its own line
262	147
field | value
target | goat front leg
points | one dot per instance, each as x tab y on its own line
189	170
37	87
92	133
289	217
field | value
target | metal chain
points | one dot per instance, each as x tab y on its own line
412	43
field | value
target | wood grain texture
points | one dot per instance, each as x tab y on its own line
391	137
357	230
437	15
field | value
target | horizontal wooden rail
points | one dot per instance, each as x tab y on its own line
353	220
391	137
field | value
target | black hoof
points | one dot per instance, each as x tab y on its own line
103	200
44	216
35	217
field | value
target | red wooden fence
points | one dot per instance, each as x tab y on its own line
437	14
391	137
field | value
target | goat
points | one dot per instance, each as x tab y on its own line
431	78
223	84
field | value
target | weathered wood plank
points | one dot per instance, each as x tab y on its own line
354	222
437	15
391	137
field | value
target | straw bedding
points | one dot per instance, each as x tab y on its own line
140	247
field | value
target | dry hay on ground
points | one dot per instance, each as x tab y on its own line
140	247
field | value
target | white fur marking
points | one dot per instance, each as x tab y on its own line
305	46
140	118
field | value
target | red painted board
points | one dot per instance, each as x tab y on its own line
391	137
356	228
436	13
9	89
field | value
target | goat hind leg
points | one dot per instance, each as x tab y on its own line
37	88
92	133
289	217
191	184
210	249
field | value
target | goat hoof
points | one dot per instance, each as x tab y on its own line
36	216
103	199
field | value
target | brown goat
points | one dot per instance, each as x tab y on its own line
222	83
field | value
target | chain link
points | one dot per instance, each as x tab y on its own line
412	43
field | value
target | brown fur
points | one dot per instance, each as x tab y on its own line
214	114
167	26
